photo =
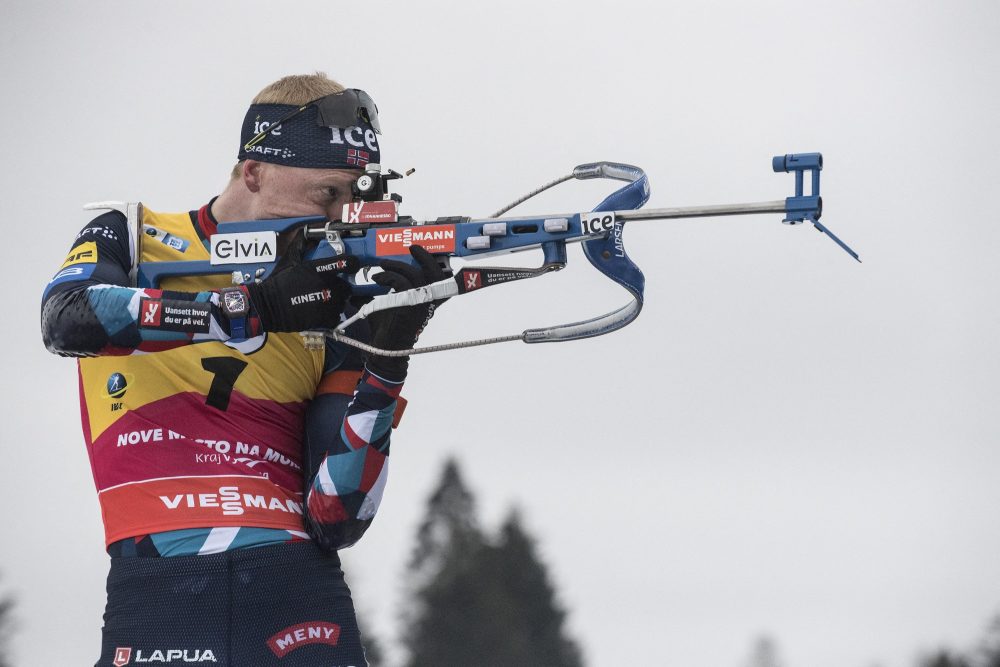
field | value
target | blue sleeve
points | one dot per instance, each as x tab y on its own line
88	308
348	428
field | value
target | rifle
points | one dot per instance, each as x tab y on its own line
372	230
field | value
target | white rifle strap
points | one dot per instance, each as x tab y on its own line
448	288
443	289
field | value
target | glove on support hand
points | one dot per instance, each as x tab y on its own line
302	295
399	328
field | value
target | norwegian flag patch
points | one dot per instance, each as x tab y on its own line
357	157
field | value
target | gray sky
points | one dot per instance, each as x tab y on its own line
785	441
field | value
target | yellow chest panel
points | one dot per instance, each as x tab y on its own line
280	368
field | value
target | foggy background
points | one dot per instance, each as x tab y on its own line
785	441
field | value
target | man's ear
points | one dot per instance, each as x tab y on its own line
252	174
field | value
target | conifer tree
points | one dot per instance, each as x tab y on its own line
480	601
438	575
944	658
989	650
449	524
764	653
527	623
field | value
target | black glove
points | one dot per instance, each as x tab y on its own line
302	295
399	328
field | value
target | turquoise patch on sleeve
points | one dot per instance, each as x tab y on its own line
110	305
346	470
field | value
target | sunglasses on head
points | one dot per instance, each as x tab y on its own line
342	109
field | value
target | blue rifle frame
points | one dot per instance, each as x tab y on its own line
600	232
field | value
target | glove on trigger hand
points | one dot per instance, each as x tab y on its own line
302	295
399	328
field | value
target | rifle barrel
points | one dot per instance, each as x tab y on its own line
703	211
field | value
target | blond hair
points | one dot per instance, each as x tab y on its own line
292	89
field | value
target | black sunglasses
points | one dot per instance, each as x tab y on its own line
341	109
